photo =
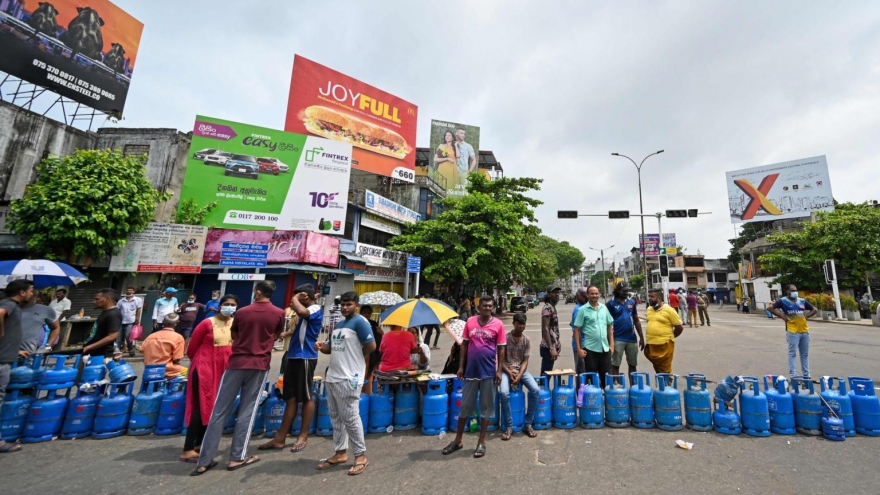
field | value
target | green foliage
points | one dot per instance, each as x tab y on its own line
597	279
747	234
556	260
850	235
637	282
848	303
190	213
486	237
874	307
85	204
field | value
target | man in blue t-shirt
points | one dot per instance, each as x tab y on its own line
580	299
299	373
626	327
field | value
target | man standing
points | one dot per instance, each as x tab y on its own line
483	339
165	346
594	328
164	306
865	305
664	325
254	330
550	344
691	308
467	158
626	327
794	311
673	302
299	372
34	319
516	373
349	344
131	308
703	307
580	298
213	306
17	292
189	312
61	304
106	328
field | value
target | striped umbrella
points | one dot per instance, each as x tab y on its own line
44	273
417	313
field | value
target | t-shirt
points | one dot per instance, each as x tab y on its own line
796	313
483	341
593	323
109	321
692	301
416	360
32	321
302	342
129	309
164	347
396	347
673	300
254	329
552	328
624	314
12	334
212	307
518	350
574	315
347	343
163	308
661	324
60	306
188	313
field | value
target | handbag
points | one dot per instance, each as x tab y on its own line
137	331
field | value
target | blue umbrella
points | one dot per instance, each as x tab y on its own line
44	273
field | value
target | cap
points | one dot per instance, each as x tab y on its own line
553	288
622	286
170	289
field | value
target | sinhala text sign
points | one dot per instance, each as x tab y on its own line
163	247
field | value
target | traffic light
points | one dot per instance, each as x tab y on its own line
692	212
566	214
664	266
677	213
618	214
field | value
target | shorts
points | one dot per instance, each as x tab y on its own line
299	376
486	388
186	332
631	349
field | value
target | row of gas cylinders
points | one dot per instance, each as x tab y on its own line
41	371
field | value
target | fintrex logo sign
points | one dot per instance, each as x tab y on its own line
322	200
310	154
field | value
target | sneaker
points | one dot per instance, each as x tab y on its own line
131	353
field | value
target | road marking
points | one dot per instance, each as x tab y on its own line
764	326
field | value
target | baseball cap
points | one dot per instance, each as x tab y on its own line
170	289
622	286
553	288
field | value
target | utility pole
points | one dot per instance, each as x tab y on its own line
604	283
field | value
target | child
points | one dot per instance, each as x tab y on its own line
515	373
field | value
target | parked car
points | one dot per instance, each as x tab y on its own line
218	158
518	304
282	167
267	166
244	165
202	154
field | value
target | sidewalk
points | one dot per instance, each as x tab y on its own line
760	314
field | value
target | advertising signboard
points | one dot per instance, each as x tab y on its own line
455	152
380	223
379	256
284	246
84	50
163	247
651	246
380	126
389	209
782	190
267	179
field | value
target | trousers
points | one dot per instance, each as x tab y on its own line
249	383
343	403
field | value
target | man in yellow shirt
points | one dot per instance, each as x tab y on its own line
664	325
794	311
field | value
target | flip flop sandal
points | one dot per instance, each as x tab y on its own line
206	469
507	434
8	448
452	447
191	460
328	464
480	451
358	468
269	446
250	460
299	447
530	432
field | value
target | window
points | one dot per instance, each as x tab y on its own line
692	280
709	277
721	277
693	262
374	237
675	277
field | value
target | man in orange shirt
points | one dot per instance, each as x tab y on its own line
165	346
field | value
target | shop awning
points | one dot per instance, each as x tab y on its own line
314	268
277	268
352	257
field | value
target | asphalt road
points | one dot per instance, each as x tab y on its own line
599	461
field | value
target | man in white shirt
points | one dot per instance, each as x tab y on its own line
131	308
164	306
61	304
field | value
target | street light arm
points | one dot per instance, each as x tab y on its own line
649	156
639	167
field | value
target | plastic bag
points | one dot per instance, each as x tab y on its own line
137	331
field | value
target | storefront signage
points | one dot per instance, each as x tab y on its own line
285	246
379	223
381	257
389	209
162	248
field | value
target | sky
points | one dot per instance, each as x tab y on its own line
556	87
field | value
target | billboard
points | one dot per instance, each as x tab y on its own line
650	245
389	209
84	50
782	190
267	179
380	126
455	152
285	246
163	247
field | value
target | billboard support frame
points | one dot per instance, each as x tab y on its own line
27	93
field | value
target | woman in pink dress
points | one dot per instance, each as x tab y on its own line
209	349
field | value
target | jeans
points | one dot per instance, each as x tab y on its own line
124	334
578	361
529	382
546	361
798	342
683	314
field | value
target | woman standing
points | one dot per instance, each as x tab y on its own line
446	160
209	349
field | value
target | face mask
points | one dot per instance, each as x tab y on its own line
227	310
215	298
655	305
129	296
793	295
191	301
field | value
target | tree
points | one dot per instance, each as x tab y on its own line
85	204
850	235
561	258
598	280
189	212
485	237
637	282
747	234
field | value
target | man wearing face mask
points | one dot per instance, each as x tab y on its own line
189	311
212	306
794	311
550	344
664	325
580	298
131	308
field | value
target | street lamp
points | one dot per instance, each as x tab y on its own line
602	254
641	210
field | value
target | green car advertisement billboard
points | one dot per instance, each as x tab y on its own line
267	179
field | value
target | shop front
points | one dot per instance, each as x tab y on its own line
383	270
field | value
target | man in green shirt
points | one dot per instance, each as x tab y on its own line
594	335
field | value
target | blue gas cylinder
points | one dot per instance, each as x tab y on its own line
273	412
120	372
641	401
93	372
145	410
616	401
80	418
866	406
364	411
382	408
726	419
780	405
834	396
832	429
517	408
667	402
59	375
325	426
406	407
592	401
753	408
46	415
172	409
564	412
14	414
544	412
435	408
154	373
807	407
697	403
496	413
454	404
727	389
296	425
259	421
114	409
229	425
24	375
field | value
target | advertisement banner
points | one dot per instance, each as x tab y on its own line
651	245
378	223
285	246
163	247
389	209
782	190
379	274
84	50
379	256
267	179
380	126
455	152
